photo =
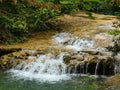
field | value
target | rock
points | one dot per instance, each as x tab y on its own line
116	24
31	52
114	80
91	51
77	57
103	40
74	62
41	52
67	58
117	57
106	53
4	51
90	61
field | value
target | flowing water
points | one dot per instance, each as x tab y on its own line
48	71
47	68
73	42
7	82
96	68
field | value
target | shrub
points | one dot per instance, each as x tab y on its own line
114	32
69	8
24	19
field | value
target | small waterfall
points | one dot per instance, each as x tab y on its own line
82	68
46	68
96	68
49	67
87	68
116	67
75	71
117	64
73	42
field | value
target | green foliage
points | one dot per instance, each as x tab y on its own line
15	39
5	22
100	6
90	15
87	83
114	32
23	19
69	8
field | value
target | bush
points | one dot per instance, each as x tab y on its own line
69	8
114	32
24	19
100	6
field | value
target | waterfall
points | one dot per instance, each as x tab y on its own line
96	68
73	42
46	68
117	64
82	68
50	67
75	71
87	67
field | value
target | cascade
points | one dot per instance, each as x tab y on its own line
50	67
82	68
96	68
46	68
87	67
73	42
75	71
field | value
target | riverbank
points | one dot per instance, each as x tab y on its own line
78	24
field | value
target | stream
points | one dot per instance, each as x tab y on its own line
75	59
48	71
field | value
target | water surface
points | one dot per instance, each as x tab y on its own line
7	82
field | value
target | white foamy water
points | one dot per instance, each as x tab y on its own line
70	42
106	27
47	68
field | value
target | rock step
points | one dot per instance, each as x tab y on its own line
4	51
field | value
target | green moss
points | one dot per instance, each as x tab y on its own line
114	32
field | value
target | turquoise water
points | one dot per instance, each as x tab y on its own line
7	82
76	83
